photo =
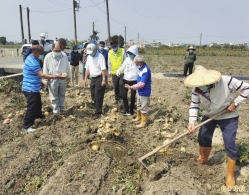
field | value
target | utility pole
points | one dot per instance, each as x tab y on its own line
20	8
125	35
108	21
93	28
74	15
28	24
200	39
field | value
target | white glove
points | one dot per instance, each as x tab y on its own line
118	73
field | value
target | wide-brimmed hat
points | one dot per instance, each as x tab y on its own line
191	47
202	77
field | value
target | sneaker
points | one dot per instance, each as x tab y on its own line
30	129
96	116
126	114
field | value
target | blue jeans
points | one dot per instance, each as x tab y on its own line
229	129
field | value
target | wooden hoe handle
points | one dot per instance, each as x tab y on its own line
179	136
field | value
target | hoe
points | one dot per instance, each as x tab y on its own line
176	138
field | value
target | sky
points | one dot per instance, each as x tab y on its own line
166	21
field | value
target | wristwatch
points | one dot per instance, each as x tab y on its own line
236	104
103	79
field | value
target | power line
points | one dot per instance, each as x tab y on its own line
57	3
48	11
105	13
64	3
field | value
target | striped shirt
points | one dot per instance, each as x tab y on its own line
31	81
234	85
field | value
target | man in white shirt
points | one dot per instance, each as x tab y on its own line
56	62
96	67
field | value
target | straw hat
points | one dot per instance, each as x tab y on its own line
191	47
202	77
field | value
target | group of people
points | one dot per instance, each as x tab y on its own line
129	71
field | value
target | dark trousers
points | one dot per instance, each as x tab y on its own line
229	129
34	107
132	98
97	93
187	67
117	84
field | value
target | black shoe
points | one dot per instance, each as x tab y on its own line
96	116
41	116
126	113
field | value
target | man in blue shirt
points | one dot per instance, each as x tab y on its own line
32	74
143	87
104	52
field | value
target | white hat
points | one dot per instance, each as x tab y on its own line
42	35
202	77
139	58
90	48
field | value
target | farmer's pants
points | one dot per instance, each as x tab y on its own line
83	70
57	90
117	84
34	107
97	93
132	98
187	67
143	103
74	74
229	129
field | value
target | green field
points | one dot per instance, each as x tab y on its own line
229	65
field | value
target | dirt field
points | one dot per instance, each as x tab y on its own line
58	158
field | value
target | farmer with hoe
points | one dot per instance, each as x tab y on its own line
143	87
216	93
190	58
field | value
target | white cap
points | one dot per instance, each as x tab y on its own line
90	48
139	58
42	35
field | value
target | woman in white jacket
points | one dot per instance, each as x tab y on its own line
130	77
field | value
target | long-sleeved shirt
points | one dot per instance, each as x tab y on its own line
143	81
55	65
130	70
218	98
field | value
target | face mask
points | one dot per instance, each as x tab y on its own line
75	50
131	56
101	48
92	54
190	50
57	54
42	38
203	88
115	48
41	57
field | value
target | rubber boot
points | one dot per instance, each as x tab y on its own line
144	120
230	181
204	153
138	116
